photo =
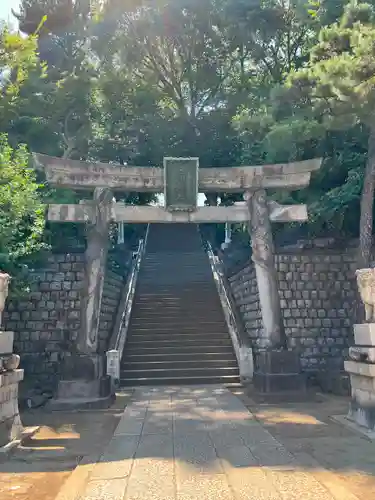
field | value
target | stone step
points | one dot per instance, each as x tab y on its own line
163	311
183	277
174	284
178	324
227	380
151	254
179	341
145	295
180	351
173	312
146	298
194	261
180	372
182	332
146	365
160	271
170	297
169	323
194	322
182	265
177	333
193	317
182	290
172	355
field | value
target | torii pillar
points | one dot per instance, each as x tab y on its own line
83	381
276	369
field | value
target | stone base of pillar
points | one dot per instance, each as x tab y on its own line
10	376
6	342
278	371
361	369
82	394
362	413
10	422
83	384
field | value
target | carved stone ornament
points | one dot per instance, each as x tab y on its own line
12	362
366	287
260	228
357	354
4	289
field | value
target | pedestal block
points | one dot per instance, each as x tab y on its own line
361	369
83	384
10	422
278	371
6	342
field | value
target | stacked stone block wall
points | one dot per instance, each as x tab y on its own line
47	320
114	282
317	293
245	291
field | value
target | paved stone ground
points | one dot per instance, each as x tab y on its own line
342	459
39	468
203	444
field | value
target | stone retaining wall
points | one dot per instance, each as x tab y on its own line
114	281
46	322
317	291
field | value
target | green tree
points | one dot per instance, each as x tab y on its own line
21	209
18	58
335	91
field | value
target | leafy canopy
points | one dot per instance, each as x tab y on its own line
22	213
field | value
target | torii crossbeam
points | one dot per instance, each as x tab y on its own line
180	180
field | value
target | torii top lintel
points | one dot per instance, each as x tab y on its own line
78	174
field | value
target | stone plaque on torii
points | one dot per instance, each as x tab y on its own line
180	181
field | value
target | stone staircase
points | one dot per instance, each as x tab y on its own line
177	333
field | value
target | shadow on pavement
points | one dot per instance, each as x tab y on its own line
298	436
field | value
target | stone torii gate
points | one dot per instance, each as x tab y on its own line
181	179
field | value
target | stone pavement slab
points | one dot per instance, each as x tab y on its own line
202	443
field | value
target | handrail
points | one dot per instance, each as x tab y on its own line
121	325
240	339
227	298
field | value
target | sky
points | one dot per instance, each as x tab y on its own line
5	6
5	13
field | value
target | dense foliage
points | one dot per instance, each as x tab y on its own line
230	81
21	210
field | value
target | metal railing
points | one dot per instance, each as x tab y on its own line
227	296
120	330
241	341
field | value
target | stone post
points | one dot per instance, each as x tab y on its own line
4	288
228	236
120	234
276	369
361	363
10	376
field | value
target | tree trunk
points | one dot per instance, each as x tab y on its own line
367	204
366	221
